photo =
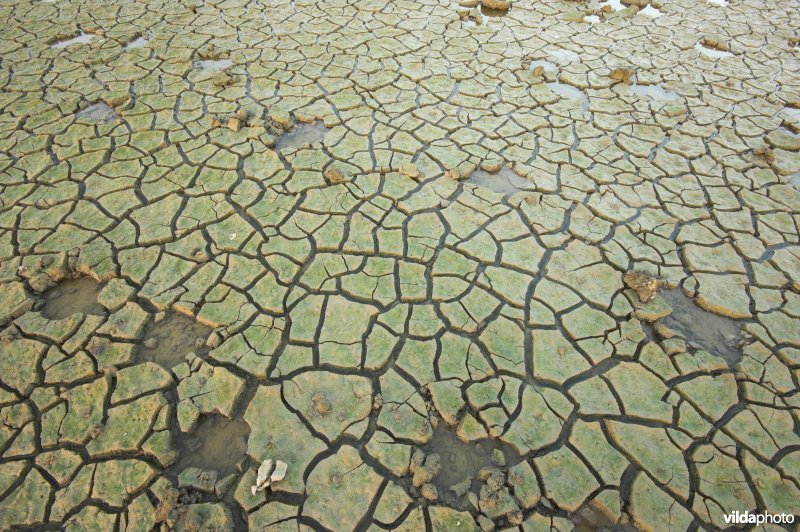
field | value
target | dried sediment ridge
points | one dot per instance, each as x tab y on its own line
350	297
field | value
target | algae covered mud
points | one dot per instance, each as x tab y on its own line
455	266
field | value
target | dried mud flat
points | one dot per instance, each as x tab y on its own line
386	244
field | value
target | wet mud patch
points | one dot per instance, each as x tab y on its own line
72	296
217	444
702	329
99	112
168	340
301	135
505	182
456	466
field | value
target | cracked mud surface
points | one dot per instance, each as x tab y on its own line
235	231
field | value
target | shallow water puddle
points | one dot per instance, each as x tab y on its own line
79	39
462	461
650	11
570	93
302	135
71	296
563	56
217	444
702	329
656	92
167	342
545	65
212	64
711	52
139	42
504	182
97	112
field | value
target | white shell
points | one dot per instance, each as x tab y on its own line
280	471
262	478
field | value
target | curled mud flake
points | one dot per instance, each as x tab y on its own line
497	5
711	47
764	153
410	170
624	75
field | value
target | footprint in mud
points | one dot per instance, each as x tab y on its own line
217	444
462	461
169	340
71	296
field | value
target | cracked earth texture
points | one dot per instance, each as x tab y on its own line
241	230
